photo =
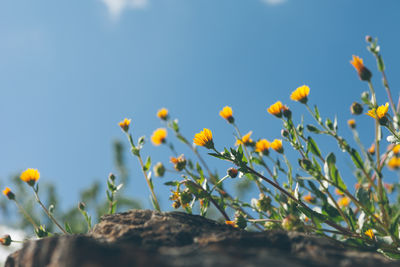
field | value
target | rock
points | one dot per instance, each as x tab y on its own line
149	238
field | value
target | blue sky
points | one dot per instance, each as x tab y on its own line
70	71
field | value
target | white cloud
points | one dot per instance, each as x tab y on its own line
273	2
115	7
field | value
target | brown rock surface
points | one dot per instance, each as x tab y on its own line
149	238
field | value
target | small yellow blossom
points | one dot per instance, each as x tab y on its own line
369	233
8	193
380	111
159	136
226	113
5	240
204	138
300	94
30	176
309	198
371	149
125	124
352	123
277	145
246	140
231	223
394	163
162	114
363	72
276	109
396	149
263	146
344	202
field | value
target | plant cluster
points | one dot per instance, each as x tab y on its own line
307	194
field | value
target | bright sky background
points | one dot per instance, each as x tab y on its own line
71	70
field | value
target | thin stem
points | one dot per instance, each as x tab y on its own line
48	213
27	216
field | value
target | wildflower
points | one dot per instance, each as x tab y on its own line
179	162
231	223
30	176
344	202
396	149
370	234
300	94
125	124
232	172
5	240
8	193
276	109
263	202
379	113
394	163
356	108
159	136
352	123
159	169
371	149
363	72
263	146
246	140
277	145
163	114
204	138
309	198
226	113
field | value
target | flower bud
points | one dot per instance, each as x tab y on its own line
365	97
81	206
240	220
287	113
9	194
292	223
351	123
159	169
356	108
264	203
232	172
5	240
284	133
111	177
368	38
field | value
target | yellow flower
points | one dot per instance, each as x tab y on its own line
309	198
396	149
344	202
204	138
263	146
352	123
8	193
277	145
226	113
159	136
246	140
276	109
363	72
163	114
6	240
369	233
125	124
380	111
300	94
30	176
394	163
371	149
231	223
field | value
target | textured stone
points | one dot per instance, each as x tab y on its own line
148	238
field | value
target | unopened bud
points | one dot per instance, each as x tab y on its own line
5	240
240	220
292	223
81	206
111	177
368	38
159	169
264	202
232	172
365	97
285	133
356	108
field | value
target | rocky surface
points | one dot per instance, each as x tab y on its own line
148	238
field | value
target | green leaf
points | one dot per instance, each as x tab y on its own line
355	156
146	166
394	225
68	228
317	116
364	196
313	129
171	183
312	146
216	155
329	124
317	192
381	65
333	173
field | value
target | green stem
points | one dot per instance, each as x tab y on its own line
27	216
